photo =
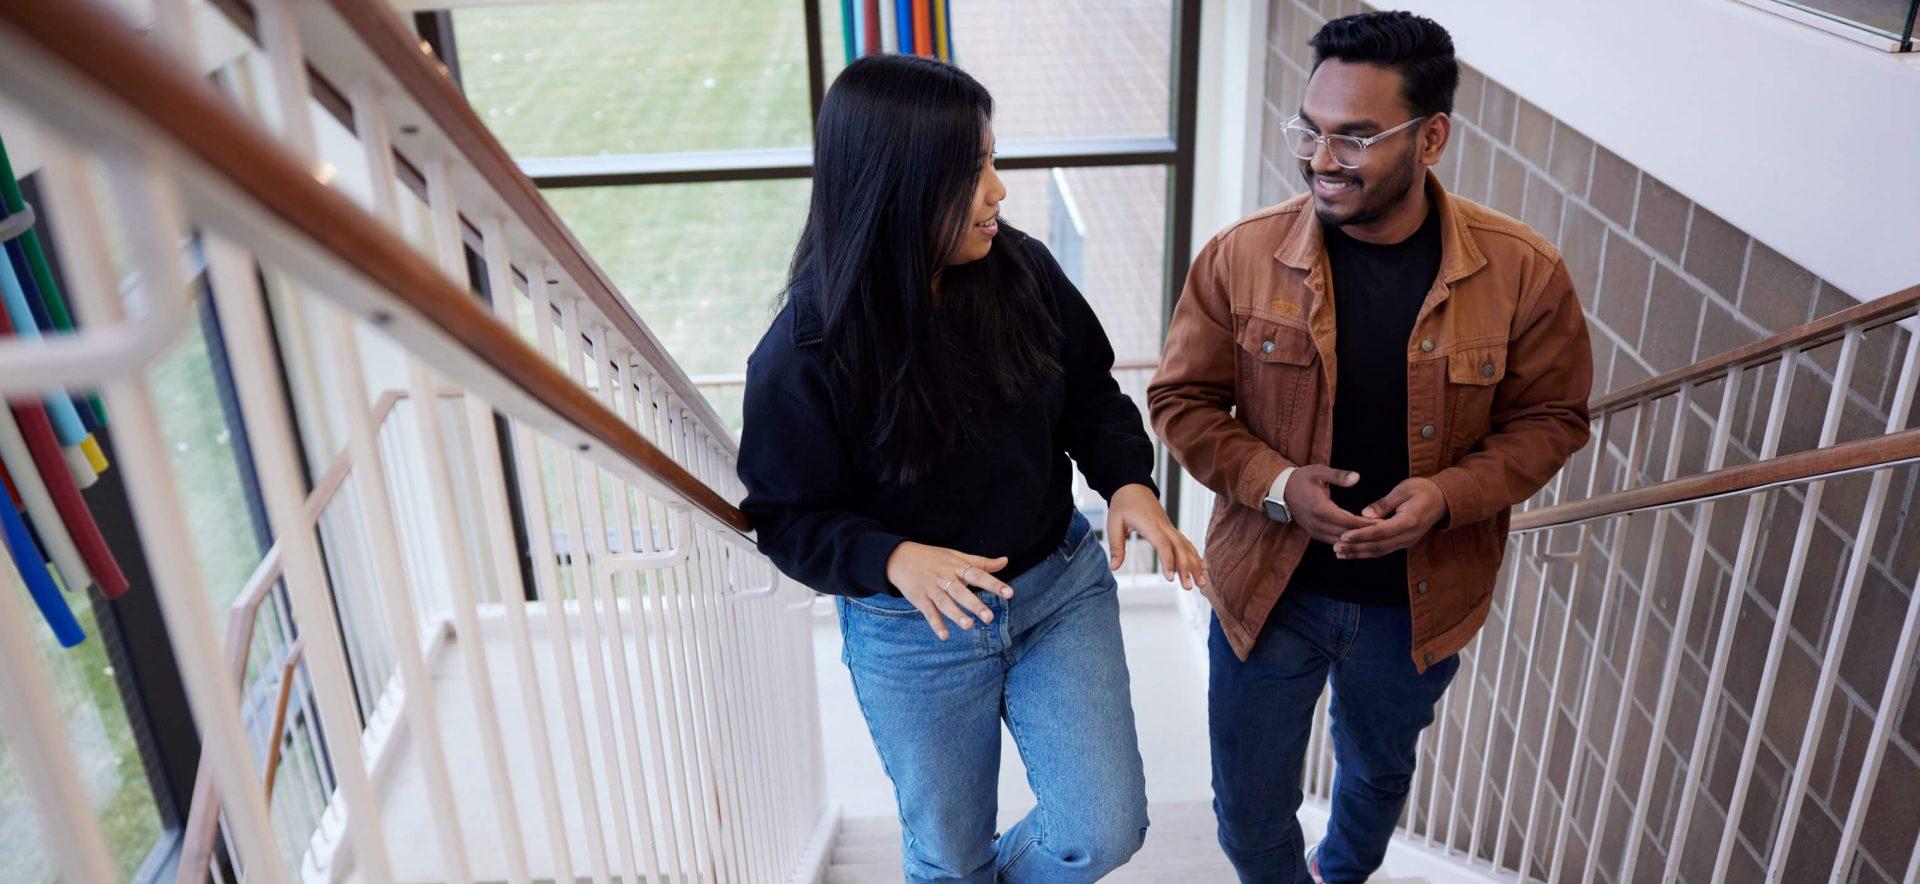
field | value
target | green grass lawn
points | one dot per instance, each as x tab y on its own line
107	761
702	263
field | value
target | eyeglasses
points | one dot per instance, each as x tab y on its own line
1348	151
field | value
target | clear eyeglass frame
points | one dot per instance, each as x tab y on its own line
1348	151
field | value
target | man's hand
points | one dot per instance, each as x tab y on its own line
939	581
1313	508
1409	511
1135	508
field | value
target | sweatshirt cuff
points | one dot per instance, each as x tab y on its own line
868	560
1462	492
1110	484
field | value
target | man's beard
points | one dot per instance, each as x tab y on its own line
1377	197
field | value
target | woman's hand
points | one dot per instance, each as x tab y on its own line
939	581
1135	508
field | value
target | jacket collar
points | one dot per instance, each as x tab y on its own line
1304	249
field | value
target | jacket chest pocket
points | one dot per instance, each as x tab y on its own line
1473	376
1275	377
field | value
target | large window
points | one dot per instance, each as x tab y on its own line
674	137
620	77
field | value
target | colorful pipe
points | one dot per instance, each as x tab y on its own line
42	272
942	37
33	572
922	29
849	37
903	25
13	293
37	501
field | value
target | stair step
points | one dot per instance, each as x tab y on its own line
862	854
888	840
863	873
864	825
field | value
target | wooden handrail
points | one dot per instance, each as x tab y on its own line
1820	463
101	50
739	378
421	76
1820	331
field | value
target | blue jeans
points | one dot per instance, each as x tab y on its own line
1051	664
1260	713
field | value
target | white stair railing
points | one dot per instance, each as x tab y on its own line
449	698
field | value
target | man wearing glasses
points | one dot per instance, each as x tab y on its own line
1369	376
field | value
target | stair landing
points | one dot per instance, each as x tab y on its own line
1180	848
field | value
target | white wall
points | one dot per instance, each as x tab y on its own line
1808	141
1233	71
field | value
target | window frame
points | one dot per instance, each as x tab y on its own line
1175	152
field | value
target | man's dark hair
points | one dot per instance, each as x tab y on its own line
1416	46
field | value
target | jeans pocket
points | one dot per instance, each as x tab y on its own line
883	605
1079	534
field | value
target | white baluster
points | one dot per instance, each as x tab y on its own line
1783	611
1729	622
151	488
506	565
533	495
1676	640
276	456
436	453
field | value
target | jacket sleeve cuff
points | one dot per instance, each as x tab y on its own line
868	560
1256	478
1465	504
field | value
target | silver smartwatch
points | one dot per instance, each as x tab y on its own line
1276	502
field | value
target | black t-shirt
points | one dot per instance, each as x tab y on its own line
1377	292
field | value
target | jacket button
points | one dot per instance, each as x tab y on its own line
1486	370
1426	432
1267	347
1420	587
1426	345
1429	658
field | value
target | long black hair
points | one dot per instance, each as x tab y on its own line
898	153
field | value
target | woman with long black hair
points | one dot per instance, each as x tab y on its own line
910	417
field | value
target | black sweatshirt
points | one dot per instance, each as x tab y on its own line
814	493
1377	293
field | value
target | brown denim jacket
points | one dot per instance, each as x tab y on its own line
1498	372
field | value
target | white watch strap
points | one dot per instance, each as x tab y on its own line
1279	489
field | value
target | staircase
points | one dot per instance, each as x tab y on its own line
1645	695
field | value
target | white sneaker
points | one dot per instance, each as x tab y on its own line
1313	864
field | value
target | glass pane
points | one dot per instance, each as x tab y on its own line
571	79
1107	226
1886	17
199	444
1069	68
109	762
702	263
